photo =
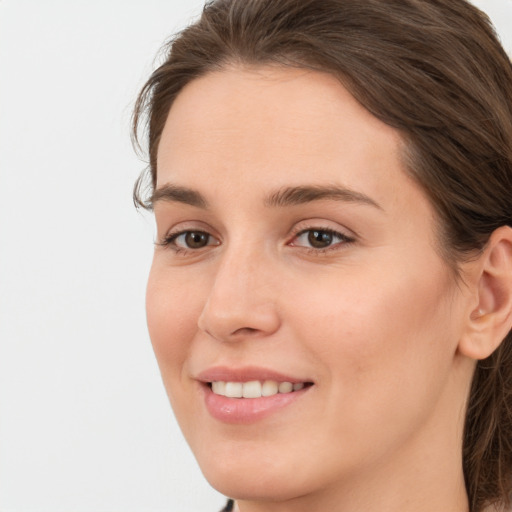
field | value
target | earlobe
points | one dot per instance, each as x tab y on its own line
491	320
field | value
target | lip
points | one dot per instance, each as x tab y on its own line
247	410
246	374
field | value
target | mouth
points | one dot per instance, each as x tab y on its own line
255	388
248	395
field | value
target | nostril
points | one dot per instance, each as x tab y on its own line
227	317
245	330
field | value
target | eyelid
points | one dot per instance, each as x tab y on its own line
301	229
170	240
177	235
344	235
167	240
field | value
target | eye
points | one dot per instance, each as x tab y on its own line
319	238
190	240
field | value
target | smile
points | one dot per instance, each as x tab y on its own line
249	394
254	388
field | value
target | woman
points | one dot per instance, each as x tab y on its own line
330	299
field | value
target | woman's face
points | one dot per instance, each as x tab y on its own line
292	247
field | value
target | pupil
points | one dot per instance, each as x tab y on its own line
320	239
196	240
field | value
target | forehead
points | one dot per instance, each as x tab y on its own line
275	127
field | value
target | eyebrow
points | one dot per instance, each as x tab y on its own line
174	193
287	196
290	196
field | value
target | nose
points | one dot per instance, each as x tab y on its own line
242	299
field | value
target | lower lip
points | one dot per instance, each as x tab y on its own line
248	410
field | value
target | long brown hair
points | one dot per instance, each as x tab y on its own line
432	69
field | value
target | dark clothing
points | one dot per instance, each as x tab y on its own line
229	506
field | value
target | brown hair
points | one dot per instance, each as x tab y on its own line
435	71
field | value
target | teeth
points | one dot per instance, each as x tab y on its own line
219	388
269	388
251	389
254	388
285	387
234	389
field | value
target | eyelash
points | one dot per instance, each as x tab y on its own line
344	239
170	240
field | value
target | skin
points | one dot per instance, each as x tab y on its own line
375	322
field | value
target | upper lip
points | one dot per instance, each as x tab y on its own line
245	374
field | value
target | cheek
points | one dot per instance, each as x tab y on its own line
383	338
172	320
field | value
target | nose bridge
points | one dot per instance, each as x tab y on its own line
241	300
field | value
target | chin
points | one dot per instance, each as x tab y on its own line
254	479
255	487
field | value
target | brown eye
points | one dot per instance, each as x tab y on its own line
196	239
320	239
190	240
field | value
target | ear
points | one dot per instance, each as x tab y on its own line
491	320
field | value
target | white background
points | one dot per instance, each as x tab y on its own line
84	420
